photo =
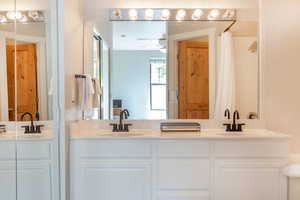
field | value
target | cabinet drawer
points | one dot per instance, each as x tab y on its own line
34	151
251	149
114	149
183	149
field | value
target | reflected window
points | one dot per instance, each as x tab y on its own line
158	85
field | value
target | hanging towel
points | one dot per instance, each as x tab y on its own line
80	91
97	94
89	93
51	87
85	93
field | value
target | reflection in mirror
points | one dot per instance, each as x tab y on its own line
177	69
27	70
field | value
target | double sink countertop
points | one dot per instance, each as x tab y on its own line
157	134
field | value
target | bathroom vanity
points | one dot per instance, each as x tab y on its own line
27	166
148	165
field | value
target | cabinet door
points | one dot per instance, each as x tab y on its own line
34	181
249	180
112	180
8	180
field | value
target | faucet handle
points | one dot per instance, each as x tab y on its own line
126	127
240	127
26	129
38	128
115	127
228	127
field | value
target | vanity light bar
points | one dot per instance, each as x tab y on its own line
164	14
21	16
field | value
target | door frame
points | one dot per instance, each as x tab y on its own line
173	69
41	73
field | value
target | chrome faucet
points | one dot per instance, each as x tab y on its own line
121	127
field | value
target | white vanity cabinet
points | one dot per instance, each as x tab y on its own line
178	169
34	163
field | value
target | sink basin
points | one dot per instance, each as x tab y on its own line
121	134
232	134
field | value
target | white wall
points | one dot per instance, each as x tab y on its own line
131	81
73	33
246	64
281	71
281	27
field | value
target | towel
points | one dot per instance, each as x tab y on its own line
85	93
51	88
97	94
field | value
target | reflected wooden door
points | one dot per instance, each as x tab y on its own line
193	59
25	87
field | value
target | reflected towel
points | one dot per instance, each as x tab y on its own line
85	92
97	94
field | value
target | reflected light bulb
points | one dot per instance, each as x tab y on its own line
213	14
13	15
165	14
23	19
3	19
133	14
197	14
181	14
149	14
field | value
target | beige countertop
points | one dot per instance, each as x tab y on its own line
157	134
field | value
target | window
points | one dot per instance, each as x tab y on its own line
158	84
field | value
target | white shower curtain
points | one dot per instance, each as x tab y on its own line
225	90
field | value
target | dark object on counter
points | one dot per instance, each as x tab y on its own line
122	127
32	128
180	127
234	127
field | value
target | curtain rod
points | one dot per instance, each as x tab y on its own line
229	27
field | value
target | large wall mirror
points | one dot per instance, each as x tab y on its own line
29	167
26	67
175	69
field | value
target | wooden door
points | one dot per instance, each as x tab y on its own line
193	80
22	93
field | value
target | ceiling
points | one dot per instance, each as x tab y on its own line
138	35
141	35
25	4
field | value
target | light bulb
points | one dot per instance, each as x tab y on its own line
3	19
213	14
133	14
14	15
165	14
117	13
229	14
197	14
23	19
149	14
180	15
